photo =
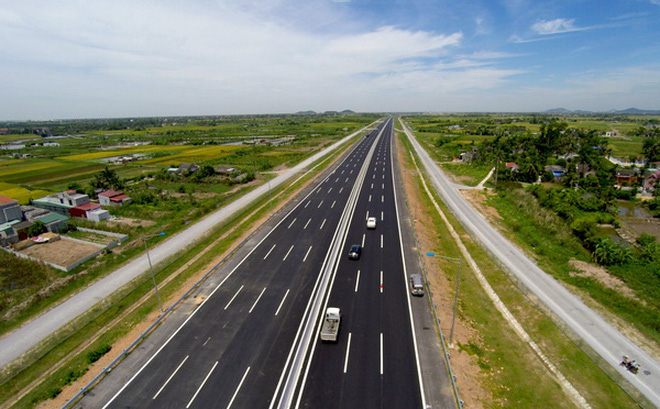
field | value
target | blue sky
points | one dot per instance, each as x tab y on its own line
117	58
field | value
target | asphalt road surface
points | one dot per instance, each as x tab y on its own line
234	348
374	364
21	340
598	334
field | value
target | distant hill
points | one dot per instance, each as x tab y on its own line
344	112
629	111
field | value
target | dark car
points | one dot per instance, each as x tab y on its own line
355	252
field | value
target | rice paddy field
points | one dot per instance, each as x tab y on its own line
80	149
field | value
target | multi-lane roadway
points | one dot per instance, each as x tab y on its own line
239	348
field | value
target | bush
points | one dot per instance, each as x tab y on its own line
98	353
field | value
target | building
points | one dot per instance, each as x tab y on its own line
626	177
557	171
512	166
98	214
9	210
53	221
113	198
225	170
61	202
188	168
81	211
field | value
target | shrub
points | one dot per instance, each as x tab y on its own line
95	355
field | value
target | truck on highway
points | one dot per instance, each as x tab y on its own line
331	321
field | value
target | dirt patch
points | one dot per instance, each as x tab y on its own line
469	376
130	222
478	199
603	277
62	252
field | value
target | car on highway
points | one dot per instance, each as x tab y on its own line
371	223
355	252
416	285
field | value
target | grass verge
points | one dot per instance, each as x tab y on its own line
501	364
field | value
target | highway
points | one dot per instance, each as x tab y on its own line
597	333
234	349
374	363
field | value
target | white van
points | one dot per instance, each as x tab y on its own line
416	285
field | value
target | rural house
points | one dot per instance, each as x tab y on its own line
91	211
113	198
557	171
61	202
9	210
626	177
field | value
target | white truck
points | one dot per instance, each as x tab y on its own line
331	322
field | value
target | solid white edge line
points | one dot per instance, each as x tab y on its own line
306	254
232	298
348	351
171	376
269	251
282	302
288	252
239	387
405	278
257	300
357	281
202	385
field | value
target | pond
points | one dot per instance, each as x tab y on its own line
629	209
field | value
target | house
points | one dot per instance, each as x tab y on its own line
225	170
188	168
557	171
9	210
62	202
512	166
651	180
81	211
4	131
626	177
113	198
466	157
98	214
53	221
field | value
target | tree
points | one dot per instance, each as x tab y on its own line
107	179
36	229
606	252
651	149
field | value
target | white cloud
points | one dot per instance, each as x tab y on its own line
556	26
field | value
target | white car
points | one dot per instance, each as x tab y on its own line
371	223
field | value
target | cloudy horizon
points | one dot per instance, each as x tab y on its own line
101	59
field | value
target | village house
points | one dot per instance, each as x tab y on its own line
557	171
91	211
652	180
113	198
626	177
512	166
225	170
61	202
9	210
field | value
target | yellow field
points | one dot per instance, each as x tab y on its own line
20	166
195	154
123	151
21	194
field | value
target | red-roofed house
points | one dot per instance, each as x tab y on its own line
513	166
91	211
113	198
